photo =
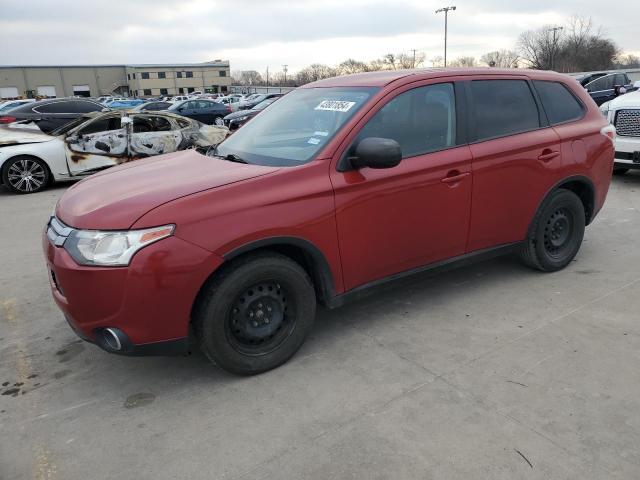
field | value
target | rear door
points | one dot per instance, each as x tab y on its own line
153	135
516	158
98	144
397	219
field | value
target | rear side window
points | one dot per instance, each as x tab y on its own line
503	107
559	103
56	107
421	120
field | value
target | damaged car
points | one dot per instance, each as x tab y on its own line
31	159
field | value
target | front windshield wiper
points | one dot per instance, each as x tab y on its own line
231	157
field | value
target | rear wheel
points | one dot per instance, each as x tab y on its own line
556	233
218	121
24	174
620	170
255	314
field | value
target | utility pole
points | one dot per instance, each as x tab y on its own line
267	75
414	57
284	69
446	13
555	31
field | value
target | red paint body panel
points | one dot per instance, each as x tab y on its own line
150	300
367	224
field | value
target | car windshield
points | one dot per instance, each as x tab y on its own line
296	127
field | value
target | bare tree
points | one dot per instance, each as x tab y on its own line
352	66
627	61
313	72
501	59
463	62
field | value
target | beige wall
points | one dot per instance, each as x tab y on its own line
204	77
103	80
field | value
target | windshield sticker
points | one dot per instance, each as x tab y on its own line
320	134
313	141
335	105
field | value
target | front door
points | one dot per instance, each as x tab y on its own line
417	213
99	144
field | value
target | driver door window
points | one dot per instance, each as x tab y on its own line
421	120
103	136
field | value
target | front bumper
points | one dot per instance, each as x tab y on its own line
627	152
150	300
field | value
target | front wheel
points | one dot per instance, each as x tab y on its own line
255	314
556	233
24	174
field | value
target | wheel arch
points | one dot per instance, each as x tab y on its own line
580	185
300	250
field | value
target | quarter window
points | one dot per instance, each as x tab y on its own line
558	102
503	107
421	120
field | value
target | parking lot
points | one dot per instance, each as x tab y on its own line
490	371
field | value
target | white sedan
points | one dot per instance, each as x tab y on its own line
31	159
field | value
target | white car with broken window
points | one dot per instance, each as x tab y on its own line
31	159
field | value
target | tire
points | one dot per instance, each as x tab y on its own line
620	170
218	121
556	233
255	314
25	174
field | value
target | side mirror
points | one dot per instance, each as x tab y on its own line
375	152
619	90
124	121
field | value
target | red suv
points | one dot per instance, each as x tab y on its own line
340	187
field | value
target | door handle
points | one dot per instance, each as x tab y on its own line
454	177
547	155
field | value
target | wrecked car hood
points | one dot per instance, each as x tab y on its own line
116	198
211	135
19	134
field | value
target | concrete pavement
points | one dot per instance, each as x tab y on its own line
490	371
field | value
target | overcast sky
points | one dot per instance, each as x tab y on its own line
254	34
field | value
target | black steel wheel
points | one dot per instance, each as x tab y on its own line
255	313
556	233
25	174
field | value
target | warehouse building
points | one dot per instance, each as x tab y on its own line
143	80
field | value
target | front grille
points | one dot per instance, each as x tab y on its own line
627	123
57	232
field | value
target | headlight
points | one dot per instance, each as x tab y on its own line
112	248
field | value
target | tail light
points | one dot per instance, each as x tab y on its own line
609	131
7	119
229	109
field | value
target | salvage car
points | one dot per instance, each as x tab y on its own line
337	189
624	114
51	114
30	159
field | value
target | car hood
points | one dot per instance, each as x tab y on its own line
628	100
116	198
20	133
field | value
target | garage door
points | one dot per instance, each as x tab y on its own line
81	91
8	92
47	91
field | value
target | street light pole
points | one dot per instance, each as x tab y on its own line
555	30
446	14
284	69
